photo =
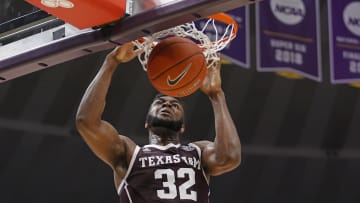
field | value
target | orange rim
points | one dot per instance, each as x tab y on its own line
225	18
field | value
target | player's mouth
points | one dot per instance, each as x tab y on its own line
165	112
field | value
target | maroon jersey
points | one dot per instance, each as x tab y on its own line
168	174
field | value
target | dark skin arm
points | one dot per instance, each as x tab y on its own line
224	154
102	138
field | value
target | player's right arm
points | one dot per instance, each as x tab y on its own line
103	139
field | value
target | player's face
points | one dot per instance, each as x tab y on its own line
167	108
166	112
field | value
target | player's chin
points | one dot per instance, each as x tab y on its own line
165	117
164	130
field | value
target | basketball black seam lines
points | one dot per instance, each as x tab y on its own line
169	68
170	44
187	82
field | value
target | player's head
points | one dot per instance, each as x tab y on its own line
166	112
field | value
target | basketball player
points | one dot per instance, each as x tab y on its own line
165	170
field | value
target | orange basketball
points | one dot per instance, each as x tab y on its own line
176	67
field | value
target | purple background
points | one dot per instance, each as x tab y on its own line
339	65
311	67
238	50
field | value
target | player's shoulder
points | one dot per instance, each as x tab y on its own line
130	145
202	144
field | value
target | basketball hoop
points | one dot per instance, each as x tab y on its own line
209	46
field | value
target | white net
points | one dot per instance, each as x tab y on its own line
210	47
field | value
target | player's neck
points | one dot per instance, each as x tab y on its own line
163	136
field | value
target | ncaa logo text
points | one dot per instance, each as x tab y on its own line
351	17
289	12
57	3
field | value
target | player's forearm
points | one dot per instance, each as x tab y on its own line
93	102
227	142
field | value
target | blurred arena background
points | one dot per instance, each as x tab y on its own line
301	138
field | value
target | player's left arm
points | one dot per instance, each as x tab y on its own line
224	154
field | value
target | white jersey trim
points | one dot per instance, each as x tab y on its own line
136	151
161	147
200	157
128	194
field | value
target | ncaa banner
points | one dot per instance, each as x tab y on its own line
288	37
238	50
344	29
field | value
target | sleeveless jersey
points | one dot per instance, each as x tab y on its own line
165	174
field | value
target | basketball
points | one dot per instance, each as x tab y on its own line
176	67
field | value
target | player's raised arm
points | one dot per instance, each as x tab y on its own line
224	154
101	136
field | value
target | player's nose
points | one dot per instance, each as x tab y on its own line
166	104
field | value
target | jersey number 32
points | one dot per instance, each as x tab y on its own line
170	189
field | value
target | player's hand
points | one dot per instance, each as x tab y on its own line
124	53
212	82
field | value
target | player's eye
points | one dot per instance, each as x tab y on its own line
159	101
176	105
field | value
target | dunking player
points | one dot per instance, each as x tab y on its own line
165	170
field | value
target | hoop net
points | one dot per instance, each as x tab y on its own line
210	47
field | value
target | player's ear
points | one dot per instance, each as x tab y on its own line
146	125
182	129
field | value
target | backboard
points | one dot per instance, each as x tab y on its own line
38	40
